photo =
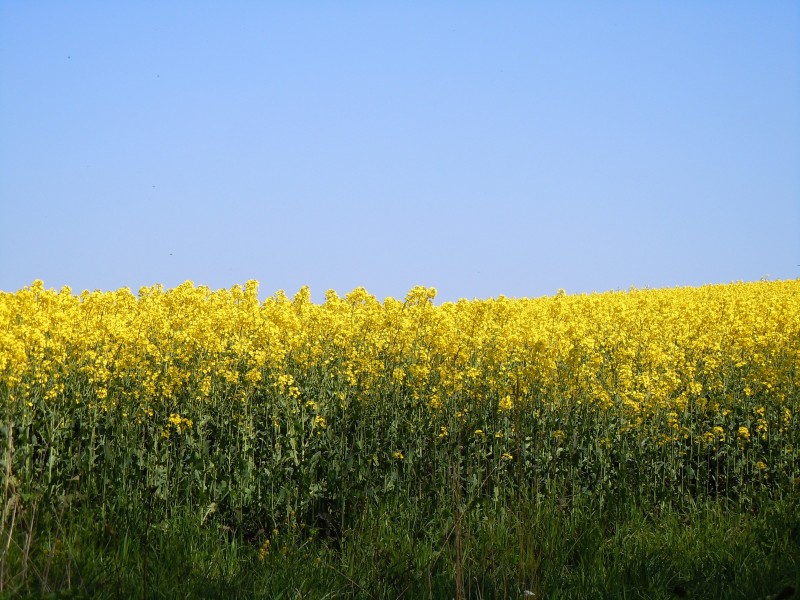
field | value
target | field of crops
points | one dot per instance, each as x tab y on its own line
179	442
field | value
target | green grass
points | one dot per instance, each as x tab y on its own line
552	547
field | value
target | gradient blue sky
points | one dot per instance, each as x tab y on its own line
482	148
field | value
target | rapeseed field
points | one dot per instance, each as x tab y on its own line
368	448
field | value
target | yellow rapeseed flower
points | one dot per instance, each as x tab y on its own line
505	404
743	433
263	551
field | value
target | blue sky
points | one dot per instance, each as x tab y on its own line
482	148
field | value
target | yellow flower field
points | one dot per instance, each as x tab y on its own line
688	369
298	418
639	353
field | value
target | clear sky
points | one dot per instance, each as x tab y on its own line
483	148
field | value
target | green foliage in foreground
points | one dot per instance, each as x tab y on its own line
554	548
262	501
384	499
